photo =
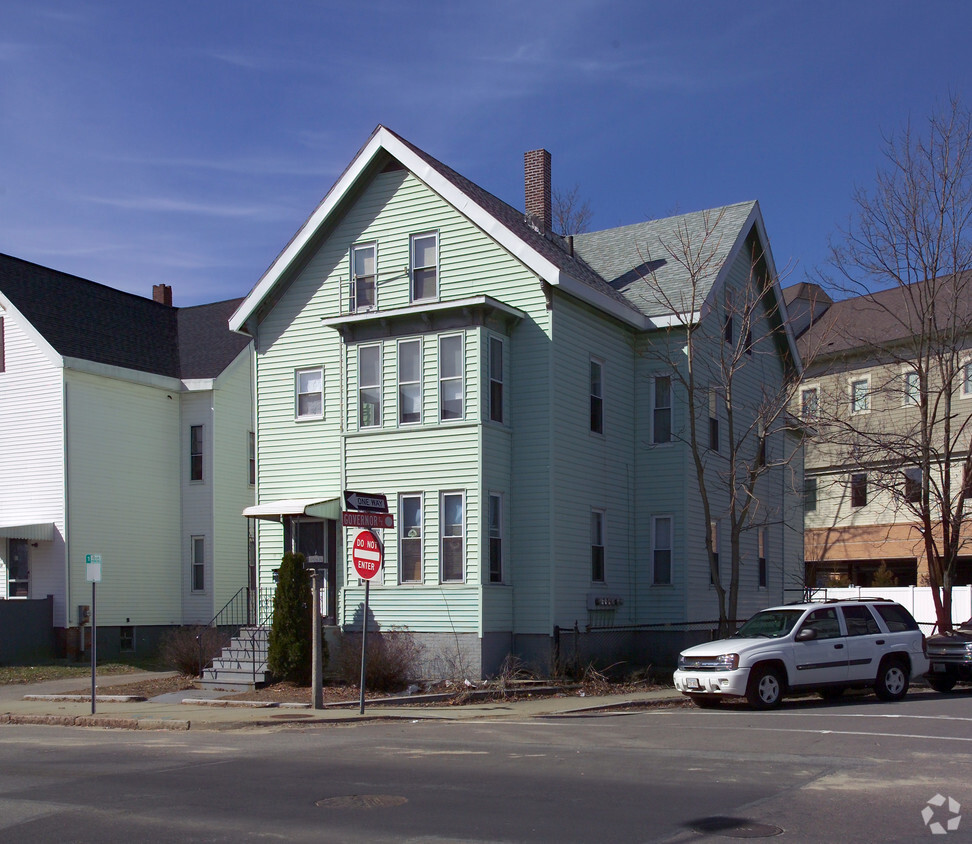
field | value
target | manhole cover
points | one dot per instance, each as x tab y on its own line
292	716
735	827
362	801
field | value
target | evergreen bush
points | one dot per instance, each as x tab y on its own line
289	647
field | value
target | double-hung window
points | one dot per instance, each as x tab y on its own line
714	533
452	535
809	403
967	379
495	379
495	538
369	386
195	452
860	395
451	381
762	573
661	410
425	266
809	495
363	295
251	458
198	552
912	388
858	490
713	419
309	391
912	484
597	397
409	382
410	526
661	550
597	546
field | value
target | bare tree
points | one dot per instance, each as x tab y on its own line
907	258
571	214
729	360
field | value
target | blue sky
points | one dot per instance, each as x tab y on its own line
185	142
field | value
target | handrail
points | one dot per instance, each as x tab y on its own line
238	611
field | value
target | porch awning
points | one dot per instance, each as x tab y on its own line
318	508
40	532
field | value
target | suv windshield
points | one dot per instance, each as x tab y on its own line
773	624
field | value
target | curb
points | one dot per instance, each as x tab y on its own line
96	721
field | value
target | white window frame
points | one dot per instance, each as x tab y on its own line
497	382
762	564
299	393
851	383
494	534
597	397
461	377
668	409
444	537
197	549
656	549
911	388
714	531
353	285
967	379
814	412
402	526
413	266
417	382
598	541
251	462
195	455
362	387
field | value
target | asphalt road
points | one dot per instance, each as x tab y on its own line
858	770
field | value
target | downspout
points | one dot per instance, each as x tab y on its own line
67	531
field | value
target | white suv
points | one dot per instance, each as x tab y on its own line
825	647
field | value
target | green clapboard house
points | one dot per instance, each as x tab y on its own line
511	393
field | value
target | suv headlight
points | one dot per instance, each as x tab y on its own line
730	662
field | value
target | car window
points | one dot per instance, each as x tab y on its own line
774	624
896	617
859	621
824	621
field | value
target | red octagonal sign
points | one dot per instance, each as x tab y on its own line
366	555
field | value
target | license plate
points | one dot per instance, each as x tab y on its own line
692	683
939	667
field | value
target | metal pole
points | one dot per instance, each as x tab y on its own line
317	701
94	644
364	646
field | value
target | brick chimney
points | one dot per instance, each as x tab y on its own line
536	172
162	293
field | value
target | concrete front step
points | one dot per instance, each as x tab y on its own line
242	666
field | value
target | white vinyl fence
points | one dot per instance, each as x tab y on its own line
917	599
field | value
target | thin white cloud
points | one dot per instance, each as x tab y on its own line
169	205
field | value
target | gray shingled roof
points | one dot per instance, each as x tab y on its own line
639	261
86	320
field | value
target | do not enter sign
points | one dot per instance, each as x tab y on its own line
366	555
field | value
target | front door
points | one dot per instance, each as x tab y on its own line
823	659
18	570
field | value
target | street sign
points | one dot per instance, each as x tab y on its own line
366	555
351	518
92	568
367	501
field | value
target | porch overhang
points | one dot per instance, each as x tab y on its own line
315	508
38	532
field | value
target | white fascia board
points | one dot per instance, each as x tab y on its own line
196	385
121	373
50	353
383	139
676	320
423	308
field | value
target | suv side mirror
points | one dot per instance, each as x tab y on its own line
806	634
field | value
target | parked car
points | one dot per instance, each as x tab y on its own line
950	658
824	647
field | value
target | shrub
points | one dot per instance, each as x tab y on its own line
392	659
289	645
189	650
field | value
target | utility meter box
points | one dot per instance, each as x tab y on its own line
84	614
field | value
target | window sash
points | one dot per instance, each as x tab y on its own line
495	538
310	393
912	485
809	403
912	389
410	531
858	490
661	410
452	537
251	458
425	267
661	550
713	420
363	273
369	386
860	396
809	494
409	382
495	379
761	556
195	452
597	397
597	546
451	380
198	545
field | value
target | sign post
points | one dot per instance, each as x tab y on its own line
92	573
366	556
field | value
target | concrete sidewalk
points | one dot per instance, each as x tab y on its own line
44	703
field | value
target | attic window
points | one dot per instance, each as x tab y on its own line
362	294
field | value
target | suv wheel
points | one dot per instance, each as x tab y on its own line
892	680
943	682
765	689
